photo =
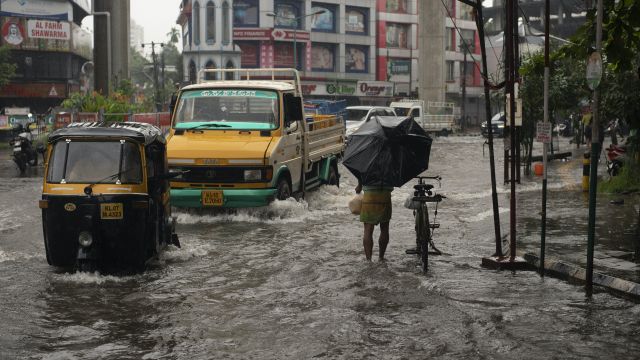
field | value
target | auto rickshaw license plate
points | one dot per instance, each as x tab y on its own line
111	211
212	198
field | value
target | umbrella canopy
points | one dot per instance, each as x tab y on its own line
387	151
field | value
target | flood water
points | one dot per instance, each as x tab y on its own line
289	281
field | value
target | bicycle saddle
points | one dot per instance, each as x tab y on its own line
425	187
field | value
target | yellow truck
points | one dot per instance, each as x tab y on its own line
245	142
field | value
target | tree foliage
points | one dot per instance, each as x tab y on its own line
7	67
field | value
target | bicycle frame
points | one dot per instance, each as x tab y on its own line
424	228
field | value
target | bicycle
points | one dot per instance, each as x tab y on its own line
422	195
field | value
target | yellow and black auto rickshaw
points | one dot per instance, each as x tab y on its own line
105	199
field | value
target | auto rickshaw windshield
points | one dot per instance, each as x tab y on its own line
83	162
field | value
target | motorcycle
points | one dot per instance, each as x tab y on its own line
23	152
616	156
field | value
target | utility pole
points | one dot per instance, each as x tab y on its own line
156	86
464	85
595	153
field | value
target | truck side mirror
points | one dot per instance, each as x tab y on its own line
292	109
172	104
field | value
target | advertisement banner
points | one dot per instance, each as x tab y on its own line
15	34
41	9
355	58
349	88
397	6
283	54
374	88
251	34
355	22
322	57
324	18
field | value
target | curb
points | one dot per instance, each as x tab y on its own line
575	273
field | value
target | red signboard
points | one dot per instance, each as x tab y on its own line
252	34
47	90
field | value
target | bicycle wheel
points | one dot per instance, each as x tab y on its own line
423	234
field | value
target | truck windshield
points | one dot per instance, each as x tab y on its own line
95	162
228	108
401	111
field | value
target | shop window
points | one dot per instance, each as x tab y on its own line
211	23
226	24
325	20
249	54
397	6
356	21
397	35
283	54
356	58
196	23
287	14
323	57
245	13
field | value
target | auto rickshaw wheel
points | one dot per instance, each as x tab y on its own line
88	266
284	189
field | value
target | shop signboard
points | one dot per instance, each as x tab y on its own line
374	88
399	66
47	29
34	90
251	34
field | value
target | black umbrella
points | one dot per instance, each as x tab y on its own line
387	151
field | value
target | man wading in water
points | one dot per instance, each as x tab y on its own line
376	209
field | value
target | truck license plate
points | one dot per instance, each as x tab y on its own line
212	198
111	211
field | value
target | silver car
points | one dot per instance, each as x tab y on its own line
358	115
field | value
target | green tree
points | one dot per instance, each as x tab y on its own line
7	67
174	35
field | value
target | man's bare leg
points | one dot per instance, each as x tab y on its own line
383	240
367	240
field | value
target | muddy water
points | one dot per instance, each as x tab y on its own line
290	281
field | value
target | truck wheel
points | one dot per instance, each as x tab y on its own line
333	178
284	189
444	132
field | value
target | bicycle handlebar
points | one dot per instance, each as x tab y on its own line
437	177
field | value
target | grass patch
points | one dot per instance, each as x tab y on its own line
627	181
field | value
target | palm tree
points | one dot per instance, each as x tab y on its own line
174	35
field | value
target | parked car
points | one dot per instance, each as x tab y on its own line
498	122
358	115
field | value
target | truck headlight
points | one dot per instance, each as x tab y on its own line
500	126
252	175
85	239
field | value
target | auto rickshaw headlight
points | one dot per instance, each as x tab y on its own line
252	175
85	239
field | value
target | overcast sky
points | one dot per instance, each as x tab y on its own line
157	17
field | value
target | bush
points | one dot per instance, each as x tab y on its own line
627	181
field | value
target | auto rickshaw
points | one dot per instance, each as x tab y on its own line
105	199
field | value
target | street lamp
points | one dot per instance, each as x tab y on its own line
295	31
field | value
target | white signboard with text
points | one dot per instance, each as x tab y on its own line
47	29
543	133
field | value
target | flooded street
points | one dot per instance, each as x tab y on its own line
290	281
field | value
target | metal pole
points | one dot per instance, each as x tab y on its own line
492	164
510	90
109	60
295	45
544	145
155	75
595	152
464	85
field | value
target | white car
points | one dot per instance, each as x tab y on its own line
358	115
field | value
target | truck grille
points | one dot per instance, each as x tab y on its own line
217	174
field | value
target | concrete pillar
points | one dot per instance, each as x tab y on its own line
431	38
119	57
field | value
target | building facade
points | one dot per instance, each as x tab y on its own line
49	48
207	40
364	51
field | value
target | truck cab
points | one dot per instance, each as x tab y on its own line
243	143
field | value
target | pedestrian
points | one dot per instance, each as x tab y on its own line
376	209
586	120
